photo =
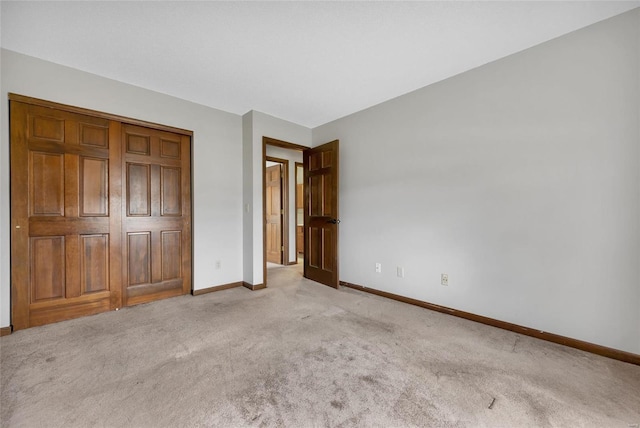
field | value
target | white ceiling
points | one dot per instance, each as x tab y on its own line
307	62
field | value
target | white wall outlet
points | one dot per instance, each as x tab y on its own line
218	264
444	279
400	272
378	267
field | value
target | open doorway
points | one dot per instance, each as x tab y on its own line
283	199
319	223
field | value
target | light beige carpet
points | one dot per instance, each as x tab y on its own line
299	354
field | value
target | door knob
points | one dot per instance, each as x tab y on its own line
333	221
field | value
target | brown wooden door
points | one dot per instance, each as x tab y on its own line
321	214
273	213
156	214
65	192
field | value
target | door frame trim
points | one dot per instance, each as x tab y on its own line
100	114
267	141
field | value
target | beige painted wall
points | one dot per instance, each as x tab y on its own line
520	179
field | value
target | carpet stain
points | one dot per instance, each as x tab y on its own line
416	409
337	404
537	409
370	324
368	379
515	343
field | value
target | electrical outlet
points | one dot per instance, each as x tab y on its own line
444	279
400	272
378	267
218	264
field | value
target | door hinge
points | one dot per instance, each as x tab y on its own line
282	248
282	212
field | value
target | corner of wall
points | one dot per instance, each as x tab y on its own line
5	227
247	197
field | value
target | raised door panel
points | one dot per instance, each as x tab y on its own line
171	241
273	243
46	184
94	187
321	247
170	149
139	258
46	128
315	186
171	191
328	248
138	144
314	243
327	198
47	268
94	135
138	189
94	263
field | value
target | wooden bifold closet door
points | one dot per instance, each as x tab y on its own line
156	214
100	214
